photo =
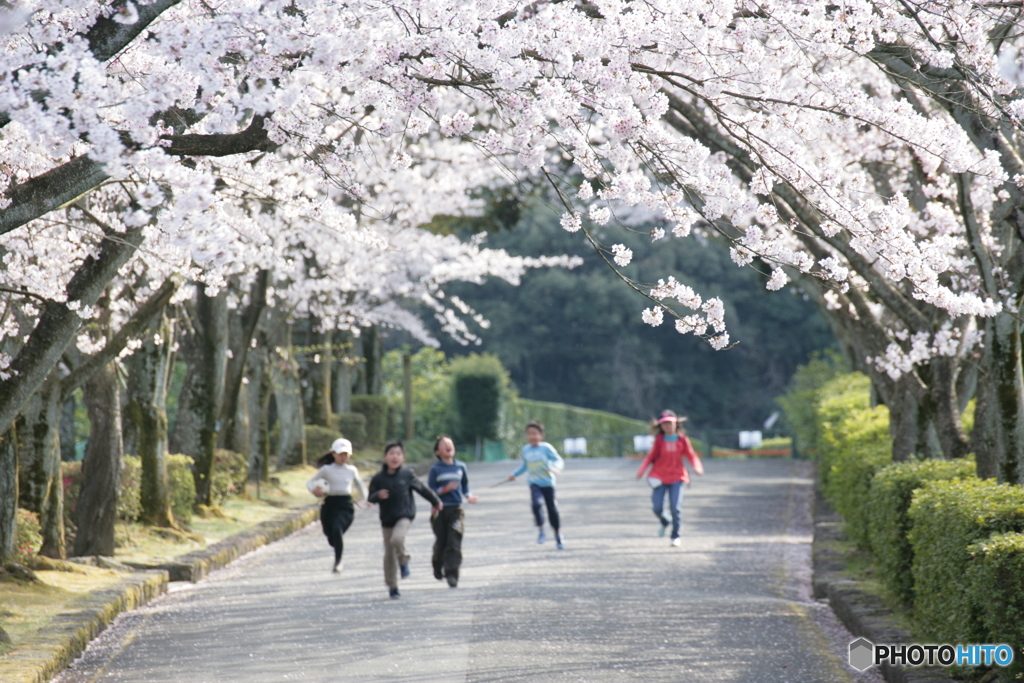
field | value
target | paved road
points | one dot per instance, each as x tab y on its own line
617	604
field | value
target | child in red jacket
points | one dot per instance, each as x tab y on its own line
668	473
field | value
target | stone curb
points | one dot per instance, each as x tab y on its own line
864	614
67	634
195	565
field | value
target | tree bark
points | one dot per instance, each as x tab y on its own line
207	389
67	429
45	474
8	494
341	376
262	392
241	333
101	469
319	361
291	443
1008	379
373	357
145	416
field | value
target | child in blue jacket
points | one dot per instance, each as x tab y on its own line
541	461
449	480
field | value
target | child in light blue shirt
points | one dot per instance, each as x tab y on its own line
540	462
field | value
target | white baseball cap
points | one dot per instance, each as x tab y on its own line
341	446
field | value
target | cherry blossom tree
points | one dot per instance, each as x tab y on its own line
870	146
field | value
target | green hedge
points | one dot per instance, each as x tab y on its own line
28	539
564	421
947	518
182	487
353	427
479	383
892	489
318	440
375	409
230	472
129	505
853	444
996	578
839	399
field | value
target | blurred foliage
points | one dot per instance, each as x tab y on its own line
576	337
800	402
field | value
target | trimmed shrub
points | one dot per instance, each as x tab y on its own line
996	578
28	539
479	382
319	440
182	487
946	519
230	472
353	427
375	409
892	489
129	502
853	443
839	399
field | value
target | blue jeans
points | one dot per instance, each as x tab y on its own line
675	498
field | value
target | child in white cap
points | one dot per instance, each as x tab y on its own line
333	482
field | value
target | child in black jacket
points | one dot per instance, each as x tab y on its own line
392	488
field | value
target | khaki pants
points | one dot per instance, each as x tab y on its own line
394	550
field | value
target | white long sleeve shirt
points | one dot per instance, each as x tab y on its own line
339	480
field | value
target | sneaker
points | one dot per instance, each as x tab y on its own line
439	573
661	529
336	568
405	570
676	543
559	541
541	537
453	580
394	594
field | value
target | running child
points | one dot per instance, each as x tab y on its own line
542	462
333	482
449	479
392	488
668	473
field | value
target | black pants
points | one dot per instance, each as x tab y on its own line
547	493
336	517
448	528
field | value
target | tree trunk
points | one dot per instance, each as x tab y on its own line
985	440
319	364
260	433
101	468
49	485
8	494
373	358
1008	381
207	392
342	375
291	444
185	435
67	429
241	333
145	415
